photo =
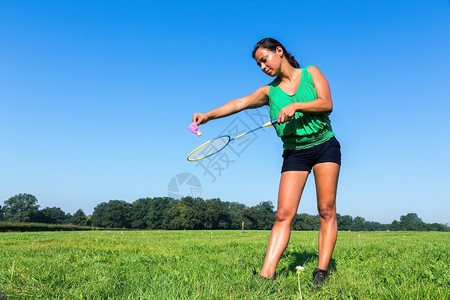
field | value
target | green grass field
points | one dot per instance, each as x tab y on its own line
218	265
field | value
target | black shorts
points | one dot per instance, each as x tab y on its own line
306	159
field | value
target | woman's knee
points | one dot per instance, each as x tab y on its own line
284	215
327	211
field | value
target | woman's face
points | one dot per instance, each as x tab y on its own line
269	61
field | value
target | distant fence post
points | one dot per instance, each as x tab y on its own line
242	226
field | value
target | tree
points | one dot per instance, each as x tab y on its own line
21	208
68	219
151	213
267	215
344	222
187	213
260	216
1	213
437	227
98	215
378	226
411	222
114	214
51	215
140	209
394	226
157	216
305	222
237	214
359	224
79	218
217	215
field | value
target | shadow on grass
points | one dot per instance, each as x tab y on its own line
305	258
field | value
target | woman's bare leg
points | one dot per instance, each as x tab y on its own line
290	191
326	177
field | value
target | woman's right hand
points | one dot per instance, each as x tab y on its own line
200	118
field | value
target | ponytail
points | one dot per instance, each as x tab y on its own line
291	59
272	44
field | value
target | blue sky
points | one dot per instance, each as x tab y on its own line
96	96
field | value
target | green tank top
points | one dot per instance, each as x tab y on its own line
304	130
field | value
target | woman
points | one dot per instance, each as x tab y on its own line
300	100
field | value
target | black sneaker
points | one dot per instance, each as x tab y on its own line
319	276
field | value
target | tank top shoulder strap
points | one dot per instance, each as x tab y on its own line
307	75
273	83
306	68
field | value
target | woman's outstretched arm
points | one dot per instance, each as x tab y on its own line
257	99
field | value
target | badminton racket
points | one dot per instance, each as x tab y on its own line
217	144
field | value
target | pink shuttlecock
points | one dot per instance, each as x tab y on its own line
193	127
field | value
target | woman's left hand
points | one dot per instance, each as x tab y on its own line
287	113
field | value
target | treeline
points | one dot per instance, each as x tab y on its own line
189	213
24	208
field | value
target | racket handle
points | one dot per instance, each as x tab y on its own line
270	123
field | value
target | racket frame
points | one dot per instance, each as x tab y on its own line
208	142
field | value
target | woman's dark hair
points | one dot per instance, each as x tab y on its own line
272	44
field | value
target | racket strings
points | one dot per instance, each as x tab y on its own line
209	148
